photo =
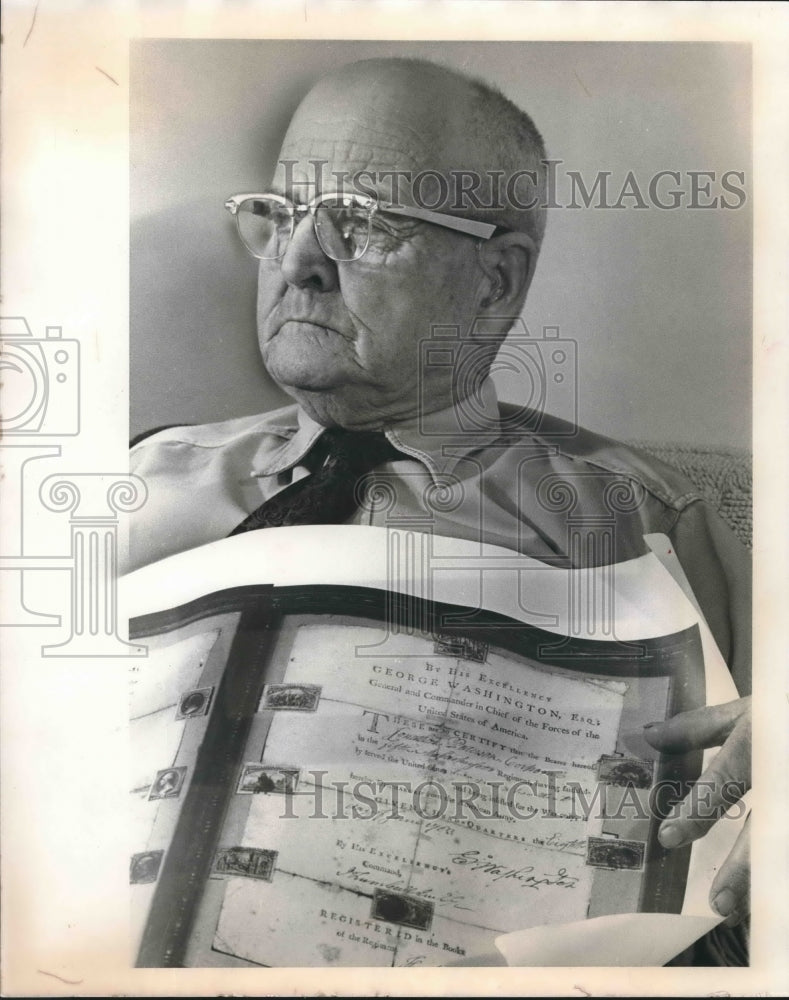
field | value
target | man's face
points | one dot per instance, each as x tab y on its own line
343	337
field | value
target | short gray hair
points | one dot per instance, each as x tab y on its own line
514	142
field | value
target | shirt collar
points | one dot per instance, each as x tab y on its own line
439	440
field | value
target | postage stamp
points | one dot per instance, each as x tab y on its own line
397	908
615	854
251	862
461	647
168	783
260	778
292	697
194	703
144	867
613	770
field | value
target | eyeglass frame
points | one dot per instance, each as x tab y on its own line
469	227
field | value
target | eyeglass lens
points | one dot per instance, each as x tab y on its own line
342	228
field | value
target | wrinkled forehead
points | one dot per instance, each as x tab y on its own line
333	138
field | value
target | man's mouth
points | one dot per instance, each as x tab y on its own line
298	321
308	326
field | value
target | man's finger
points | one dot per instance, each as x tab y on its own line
721	785
730	892
697	729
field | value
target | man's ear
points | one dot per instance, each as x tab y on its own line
508	261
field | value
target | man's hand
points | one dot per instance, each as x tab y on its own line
723	783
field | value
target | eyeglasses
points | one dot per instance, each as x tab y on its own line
345	224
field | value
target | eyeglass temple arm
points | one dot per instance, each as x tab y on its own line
484	230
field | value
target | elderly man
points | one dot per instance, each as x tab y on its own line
396	246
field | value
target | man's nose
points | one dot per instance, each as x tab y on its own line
304	264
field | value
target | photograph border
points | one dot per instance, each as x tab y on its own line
65	130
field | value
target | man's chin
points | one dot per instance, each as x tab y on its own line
306	367
300	381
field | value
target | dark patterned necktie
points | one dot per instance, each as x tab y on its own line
329	495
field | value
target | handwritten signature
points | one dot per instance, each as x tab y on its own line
475	862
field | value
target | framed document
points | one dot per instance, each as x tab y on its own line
348	776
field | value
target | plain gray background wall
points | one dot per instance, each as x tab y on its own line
659	302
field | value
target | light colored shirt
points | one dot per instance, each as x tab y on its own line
482	470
